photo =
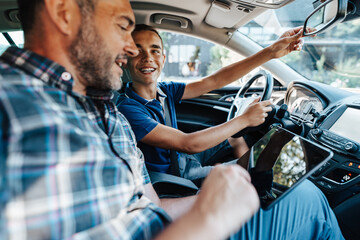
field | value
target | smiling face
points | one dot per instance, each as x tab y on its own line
103	43
146	67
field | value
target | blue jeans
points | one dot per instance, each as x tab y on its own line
199	165
303	214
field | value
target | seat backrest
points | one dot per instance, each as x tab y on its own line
125	78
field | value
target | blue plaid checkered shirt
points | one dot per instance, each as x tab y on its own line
69	165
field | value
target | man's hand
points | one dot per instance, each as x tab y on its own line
227	199
289	41
256	112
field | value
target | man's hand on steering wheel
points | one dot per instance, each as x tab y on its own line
256	112
241	104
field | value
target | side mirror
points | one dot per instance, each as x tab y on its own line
326	16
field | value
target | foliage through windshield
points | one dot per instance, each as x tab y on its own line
332	57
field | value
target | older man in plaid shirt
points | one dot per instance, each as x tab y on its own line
69	166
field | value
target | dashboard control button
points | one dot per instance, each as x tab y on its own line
351	147
321	183
335	141
317	132
342	176
329	186
321	169
326	185
352	165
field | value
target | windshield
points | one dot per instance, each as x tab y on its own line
332	57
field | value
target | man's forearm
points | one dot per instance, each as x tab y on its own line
177	207
227	200
201	140
227	75
237	70
193	225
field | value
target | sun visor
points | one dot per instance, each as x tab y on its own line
224	14
270	4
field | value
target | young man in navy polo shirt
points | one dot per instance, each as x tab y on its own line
144	98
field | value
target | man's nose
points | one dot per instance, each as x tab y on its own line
131	49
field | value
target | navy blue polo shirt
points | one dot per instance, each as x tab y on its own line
144	115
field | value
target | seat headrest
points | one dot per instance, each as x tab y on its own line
126	77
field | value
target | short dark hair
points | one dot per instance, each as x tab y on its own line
144	27
28	11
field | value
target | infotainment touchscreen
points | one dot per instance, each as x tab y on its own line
344	126
285	157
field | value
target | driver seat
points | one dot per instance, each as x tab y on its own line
165	185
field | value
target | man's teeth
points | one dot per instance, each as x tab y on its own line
119	64
147	70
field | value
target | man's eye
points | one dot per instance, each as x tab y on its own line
122	27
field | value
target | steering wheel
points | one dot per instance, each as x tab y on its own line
240	103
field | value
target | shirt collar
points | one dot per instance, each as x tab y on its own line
40	67
132	94
102	95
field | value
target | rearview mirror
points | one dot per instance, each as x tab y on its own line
326	16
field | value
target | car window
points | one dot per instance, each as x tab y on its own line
189	58
17	37
4	44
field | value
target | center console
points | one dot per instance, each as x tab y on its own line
339	134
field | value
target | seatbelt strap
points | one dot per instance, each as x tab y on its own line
174	166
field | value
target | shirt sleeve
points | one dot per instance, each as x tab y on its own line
175	89
3	155
137	224
141	122
144	172
3	141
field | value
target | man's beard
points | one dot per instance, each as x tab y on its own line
91	60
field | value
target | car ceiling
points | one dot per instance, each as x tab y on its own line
188	16
210	19
8	16
214	20
198	18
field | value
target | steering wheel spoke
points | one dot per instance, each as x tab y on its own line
241	103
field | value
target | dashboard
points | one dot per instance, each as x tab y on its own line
321	113
332	118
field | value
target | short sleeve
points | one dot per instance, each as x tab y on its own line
140	120
176	90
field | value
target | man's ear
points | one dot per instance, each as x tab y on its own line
65	14
164	59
